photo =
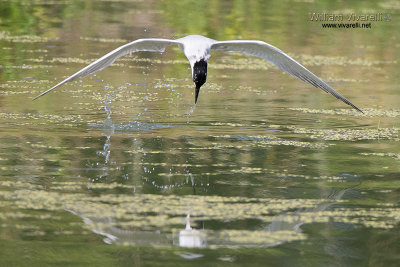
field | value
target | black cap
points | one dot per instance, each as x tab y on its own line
199	75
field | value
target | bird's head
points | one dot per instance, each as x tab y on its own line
199	72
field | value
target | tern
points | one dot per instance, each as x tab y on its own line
197	50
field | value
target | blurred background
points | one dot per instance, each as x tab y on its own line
104	170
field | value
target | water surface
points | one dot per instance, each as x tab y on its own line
265	169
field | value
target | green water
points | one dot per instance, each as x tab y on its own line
272	171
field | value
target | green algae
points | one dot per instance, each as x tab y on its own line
163	212
36	118
318	60
6	36
239	62
57	214
368	112
387	154
104	40
243	238
347	134
262	141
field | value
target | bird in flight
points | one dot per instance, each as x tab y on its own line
197	50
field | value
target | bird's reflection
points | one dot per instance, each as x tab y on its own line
279	224
189	237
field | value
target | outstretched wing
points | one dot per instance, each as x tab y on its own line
280	59
149	45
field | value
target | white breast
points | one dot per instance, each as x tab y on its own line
196	47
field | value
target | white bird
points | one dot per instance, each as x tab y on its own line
197	50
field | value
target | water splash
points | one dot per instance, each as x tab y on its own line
189	113
108	129
107	103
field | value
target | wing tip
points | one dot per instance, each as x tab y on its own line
36	97
356	108
45	92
